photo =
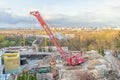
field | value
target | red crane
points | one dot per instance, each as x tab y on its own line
73	60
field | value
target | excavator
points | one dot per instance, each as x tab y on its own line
71	60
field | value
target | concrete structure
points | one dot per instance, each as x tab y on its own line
54	49
1	67
34	55
11	61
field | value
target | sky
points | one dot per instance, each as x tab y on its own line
62	13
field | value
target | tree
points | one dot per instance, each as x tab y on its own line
117	41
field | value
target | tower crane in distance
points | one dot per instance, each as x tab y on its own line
71	60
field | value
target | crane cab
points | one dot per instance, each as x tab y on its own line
75	60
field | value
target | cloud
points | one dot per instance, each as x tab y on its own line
12	19
99	17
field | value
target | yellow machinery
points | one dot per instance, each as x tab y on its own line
45	40
11	61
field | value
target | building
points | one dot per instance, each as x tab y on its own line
11	61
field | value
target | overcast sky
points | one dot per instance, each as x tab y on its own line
75	13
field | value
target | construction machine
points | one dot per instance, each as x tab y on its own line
71	60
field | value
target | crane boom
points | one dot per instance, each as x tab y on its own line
72	60
48	31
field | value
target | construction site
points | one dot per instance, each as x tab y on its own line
56	62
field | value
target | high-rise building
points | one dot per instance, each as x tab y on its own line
11	61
